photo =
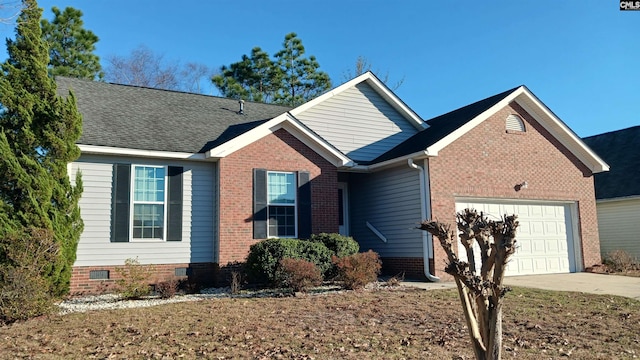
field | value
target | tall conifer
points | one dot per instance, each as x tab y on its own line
71	46
38	134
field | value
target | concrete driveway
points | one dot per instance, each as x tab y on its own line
581	282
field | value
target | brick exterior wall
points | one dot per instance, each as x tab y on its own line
201	274
279	151
410	268
487	162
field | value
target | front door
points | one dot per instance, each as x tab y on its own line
343	209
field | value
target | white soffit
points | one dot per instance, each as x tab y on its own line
534	107
110	150
291	125
558	129
453	136
379	87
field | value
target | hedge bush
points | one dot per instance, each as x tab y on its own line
340	245
299	274
25	290
359	269
264	257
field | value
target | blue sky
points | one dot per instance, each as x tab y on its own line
581	58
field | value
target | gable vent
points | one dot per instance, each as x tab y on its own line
515	123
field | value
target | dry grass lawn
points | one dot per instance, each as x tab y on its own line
398	323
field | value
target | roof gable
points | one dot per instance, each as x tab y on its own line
441	127
445	129
294	127
620	150
362	118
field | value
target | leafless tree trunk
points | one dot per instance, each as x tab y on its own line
481	290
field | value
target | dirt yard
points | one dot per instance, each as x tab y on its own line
395	323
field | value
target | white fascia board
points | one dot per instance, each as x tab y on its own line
622	198
440	144
110	150
291	125
389	163
560	131
379	87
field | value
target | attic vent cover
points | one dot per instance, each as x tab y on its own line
515	123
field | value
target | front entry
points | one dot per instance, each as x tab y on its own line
343	209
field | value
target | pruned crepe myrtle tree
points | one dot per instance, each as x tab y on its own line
481	290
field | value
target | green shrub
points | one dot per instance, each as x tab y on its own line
359	269
134	279
299	274
25	290
265	256
340	245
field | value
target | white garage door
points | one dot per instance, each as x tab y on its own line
544	237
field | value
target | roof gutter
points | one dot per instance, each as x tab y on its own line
381	165
427	243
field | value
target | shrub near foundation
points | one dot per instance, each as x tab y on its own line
25	291
264	257
134	279
359	269
299	275
340	245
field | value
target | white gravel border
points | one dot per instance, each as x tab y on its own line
113	301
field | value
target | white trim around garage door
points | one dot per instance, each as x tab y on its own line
552	220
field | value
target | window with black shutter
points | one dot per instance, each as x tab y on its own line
145	198
282	204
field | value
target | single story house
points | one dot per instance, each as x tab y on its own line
189	182
618	191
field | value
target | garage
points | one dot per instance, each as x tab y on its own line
545	236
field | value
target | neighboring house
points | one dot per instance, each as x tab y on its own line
189	182
618	191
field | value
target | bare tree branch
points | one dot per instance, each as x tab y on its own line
363	65
9	11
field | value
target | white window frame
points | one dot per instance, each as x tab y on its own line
133	202
294	205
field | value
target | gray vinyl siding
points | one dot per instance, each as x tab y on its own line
358	122
198	225
390	201
619	226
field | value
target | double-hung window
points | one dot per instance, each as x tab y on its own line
148	202
281	204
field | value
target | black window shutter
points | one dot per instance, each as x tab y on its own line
120	202
304	205
174	203
259	203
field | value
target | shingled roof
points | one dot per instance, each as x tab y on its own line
150	119
441	126
620	150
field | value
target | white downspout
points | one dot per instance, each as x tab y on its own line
426	240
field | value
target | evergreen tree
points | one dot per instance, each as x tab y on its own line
291	79
300	77
253	78
71	46
38	132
